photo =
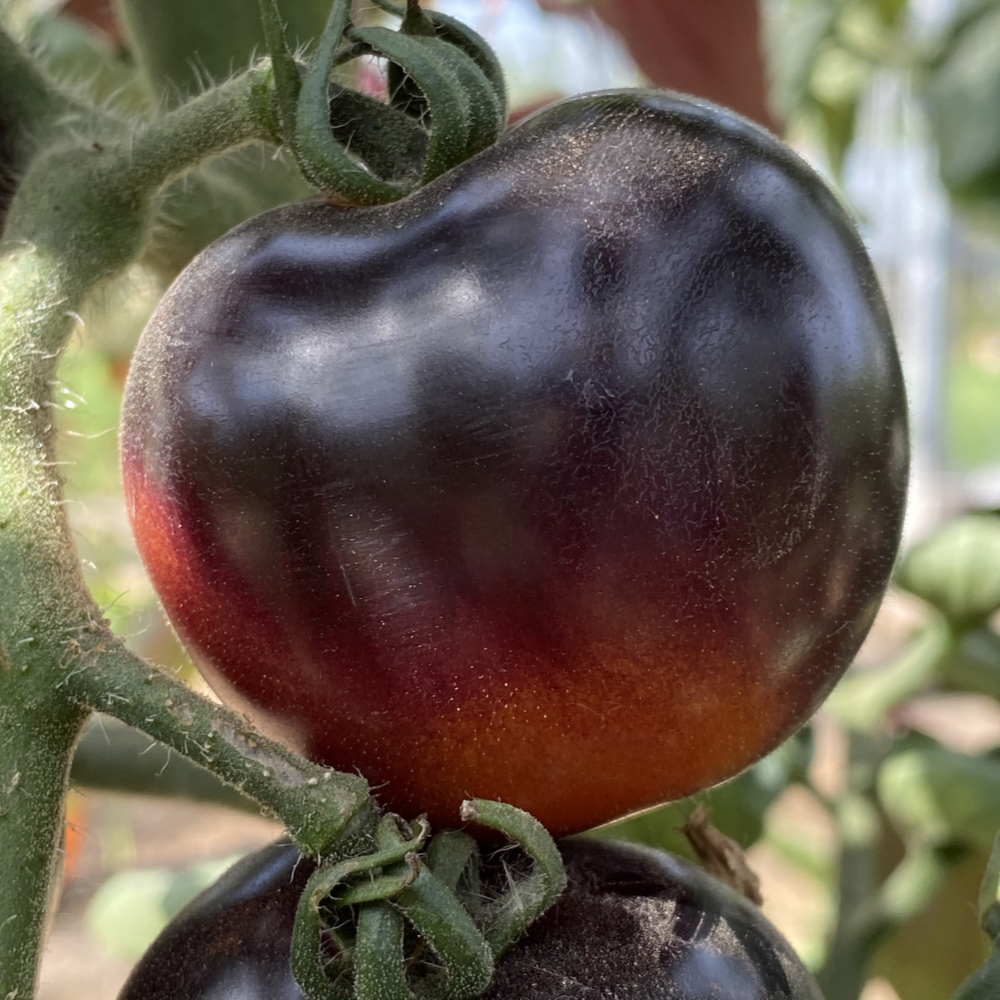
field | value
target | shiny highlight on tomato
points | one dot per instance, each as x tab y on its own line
573	479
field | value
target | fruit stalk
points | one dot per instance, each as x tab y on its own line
316	804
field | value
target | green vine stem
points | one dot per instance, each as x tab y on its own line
80	214
868	911
317	805
111	756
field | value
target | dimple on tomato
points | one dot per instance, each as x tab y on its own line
573	479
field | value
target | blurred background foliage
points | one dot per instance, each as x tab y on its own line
871	828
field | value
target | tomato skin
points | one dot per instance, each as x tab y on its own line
232	942
572	480
633	924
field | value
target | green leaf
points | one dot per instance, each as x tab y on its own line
973	664
838	129
928	956
794	35
135	904
940	795
736	807
962	93
838	81
890	11
957	569
862	699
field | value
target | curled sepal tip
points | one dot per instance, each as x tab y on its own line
505	919
320	157
371	877
392	897
446	926
447	101
379	962
283	66
461	36
460	110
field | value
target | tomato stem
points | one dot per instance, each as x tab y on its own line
867	912
27	103
36	746
117	758
318	806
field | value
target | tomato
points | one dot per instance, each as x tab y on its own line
573	479
232	942
639	924
633	924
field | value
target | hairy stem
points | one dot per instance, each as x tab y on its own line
319	806
35	751
113	757
86	192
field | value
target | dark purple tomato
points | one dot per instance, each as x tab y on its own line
573	479
232	942
633	924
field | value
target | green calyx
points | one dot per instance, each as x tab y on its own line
447	101
423	919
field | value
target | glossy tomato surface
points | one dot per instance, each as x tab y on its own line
572	480
633	924
233	941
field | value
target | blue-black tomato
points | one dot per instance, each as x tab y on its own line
573	479
633	924
232	942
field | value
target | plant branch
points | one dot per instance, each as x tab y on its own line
318	806
86	202
111	756
79	215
